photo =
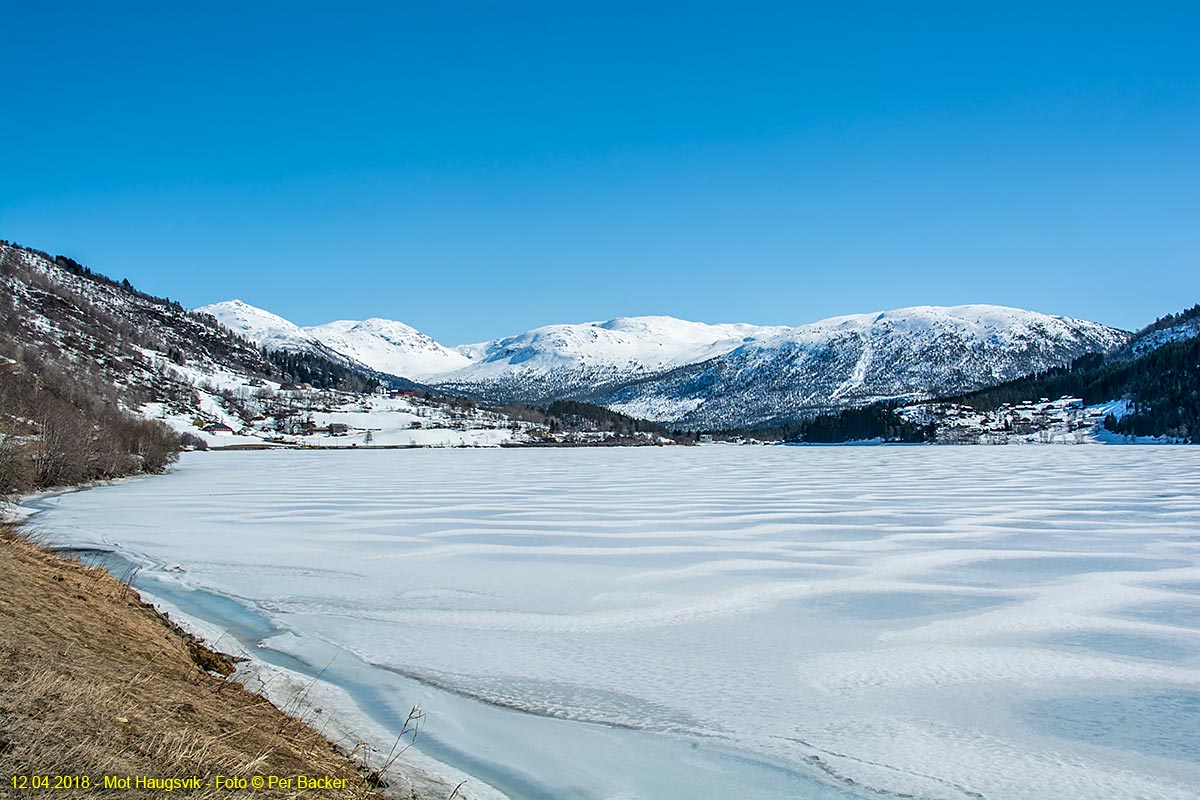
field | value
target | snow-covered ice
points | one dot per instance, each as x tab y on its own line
1004	623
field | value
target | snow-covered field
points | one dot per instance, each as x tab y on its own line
999	623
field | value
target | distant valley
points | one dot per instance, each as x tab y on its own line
99	379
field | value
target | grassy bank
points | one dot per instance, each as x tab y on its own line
94	682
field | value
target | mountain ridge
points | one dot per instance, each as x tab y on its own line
388	346
854	360
712	375
332	341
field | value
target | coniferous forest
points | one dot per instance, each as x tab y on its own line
1162	388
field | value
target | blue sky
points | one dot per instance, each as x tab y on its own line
476	169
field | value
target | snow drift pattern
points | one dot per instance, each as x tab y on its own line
1027	630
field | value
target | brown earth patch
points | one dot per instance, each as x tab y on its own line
95	682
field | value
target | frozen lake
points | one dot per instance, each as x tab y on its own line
719	622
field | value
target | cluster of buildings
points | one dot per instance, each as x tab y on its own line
1065	420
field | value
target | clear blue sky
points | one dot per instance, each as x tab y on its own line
479	169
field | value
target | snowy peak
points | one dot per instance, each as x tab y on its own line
569	360
678	329
668	369
697	374
259	326
384	328
382	345
389	346
995	324
908	353
273	332
555	359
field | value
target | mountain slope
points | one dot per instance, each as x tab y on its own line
84	360
697	375
388	346
62	315
558	361
1156	376
81	355
374	345
1164	330
267	330
855	360
1148	387
92	373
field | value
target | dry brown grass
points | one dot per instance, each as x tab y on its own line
95	682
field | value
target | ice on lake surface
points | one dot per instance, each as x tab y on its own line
717	621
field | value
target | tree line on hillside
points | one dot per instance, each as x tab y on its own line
79	317
1171	320
64	391
75	268
1161	386
318	372
576	415
56	430
202	330
872	422
878	421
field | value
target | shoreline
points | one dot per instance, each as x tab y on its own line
104	691
561	756
297	690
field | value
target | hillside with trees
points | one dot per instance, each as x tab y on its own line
81	354
1161	388
1156	375
563	419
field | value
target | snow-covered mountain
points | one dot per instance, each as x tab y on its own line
268	330
389	346
87	361
150	355
699	375
908	353
559	361
104	345
381	345
95	329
